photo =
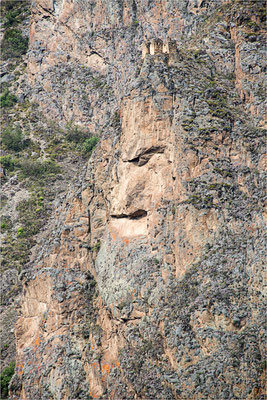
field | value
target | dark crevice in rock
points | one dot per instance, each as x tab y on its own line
89	222
143	158
138	214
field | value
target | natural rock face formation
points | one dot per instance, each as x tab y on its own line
148	283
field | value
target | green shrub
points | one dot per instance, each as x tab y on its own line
75	134
8	163
20	232
13	139
97	246
3	226
15	11
7	5
90	144
7	99
5	223
31	217
30	168
5	378
11	17
83	140
13	44
38	169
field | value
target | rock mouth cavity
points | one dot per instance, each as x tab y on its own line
138	214
144	157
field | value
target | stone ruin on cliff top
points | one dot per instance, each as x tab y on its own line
157	46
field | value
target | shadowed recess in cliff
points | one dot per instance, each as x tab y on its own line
138	214
145	156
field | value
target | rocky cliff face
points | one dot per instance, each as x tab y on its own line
148	281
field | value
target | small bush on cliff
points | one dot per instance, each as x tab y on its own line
7	99
97	246
5	378
83	141
20	232
89	144
30	168
32	214
5	223
13	139
75	134
11	17
8	163
13	45
14	11
38	169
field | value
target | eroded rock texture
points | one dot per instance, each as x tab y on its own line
149	281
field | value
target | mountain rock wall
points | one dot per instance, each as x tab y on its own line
148	282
